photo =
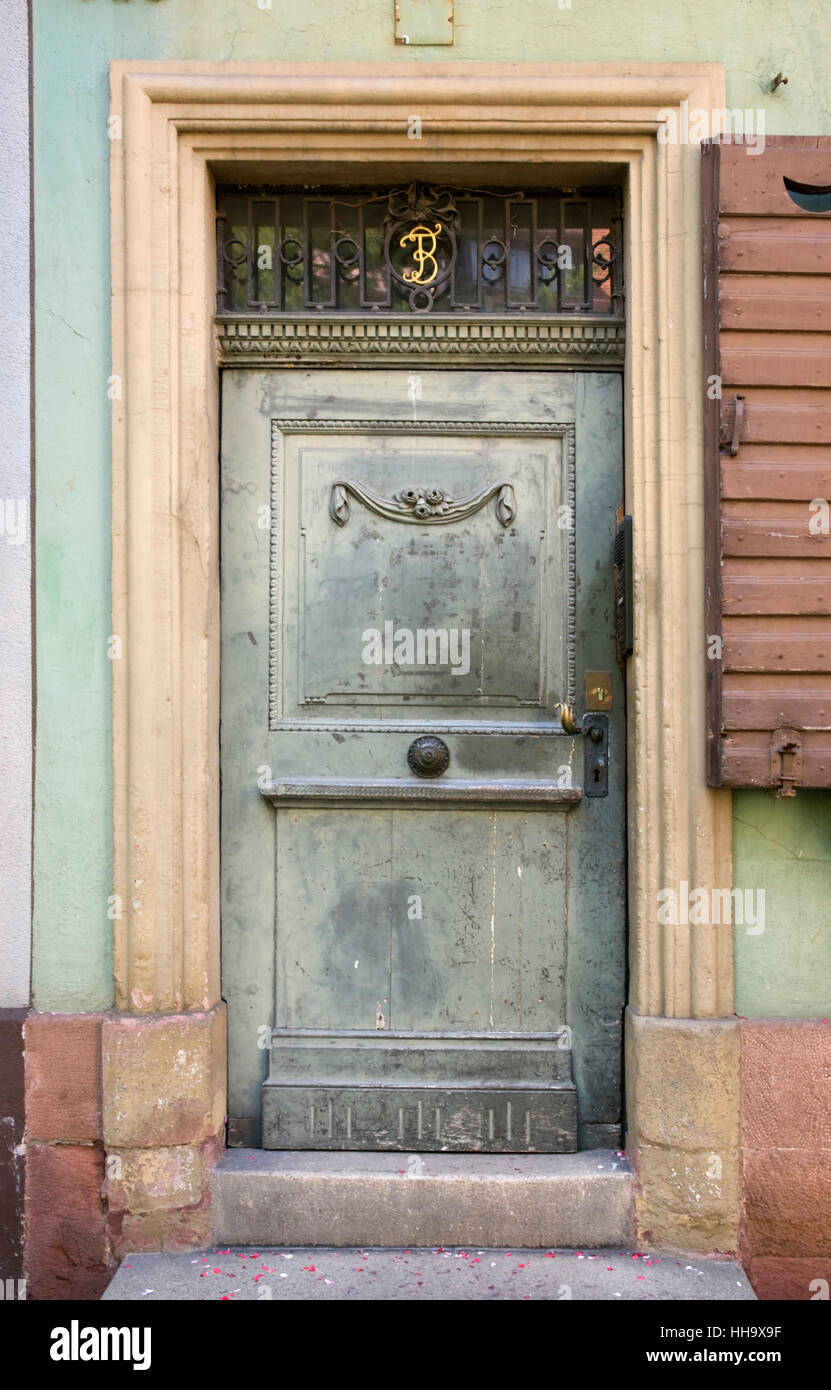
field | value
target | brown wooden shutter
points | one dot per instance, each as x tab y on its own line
767	302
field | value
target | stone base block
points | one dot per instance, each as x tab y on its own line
683	1123
12	1167
68	1252
163	1079
125	1122
775	1278
159	1199
786	1138
63	1077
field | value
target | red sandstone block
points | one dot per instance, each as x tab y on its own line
63	1076
787	1203
67	1249
786	1084
774	1277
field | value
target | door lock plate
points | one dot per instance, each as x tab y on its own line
596	730
598	690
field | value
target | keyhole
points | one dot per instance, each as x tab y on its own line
597	774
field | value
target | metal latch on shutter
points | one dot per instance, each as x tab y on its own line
730	435
786	760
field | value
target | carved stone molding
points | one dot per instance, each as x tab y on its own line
394	339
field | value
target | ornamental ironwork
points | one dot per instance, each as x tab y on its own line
420	248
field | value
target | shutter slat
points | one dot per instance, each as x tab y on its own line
781	303
777	471
800	247
789	644
776	587
776	359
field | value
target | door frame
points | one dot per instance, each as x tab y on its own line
180	124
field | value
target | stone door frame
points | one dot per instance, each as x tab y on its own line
177	126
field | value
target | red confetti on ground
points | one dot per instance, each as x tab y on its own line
549	1255
216	1271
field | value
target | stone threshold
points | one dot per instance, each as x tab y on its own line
312	1198
469	1273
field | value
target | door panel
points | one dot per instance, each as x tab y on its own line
354	946
430	962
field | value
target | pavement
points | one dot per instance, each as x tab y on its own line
244	1274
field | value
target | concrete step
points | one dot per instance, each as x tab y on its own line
467	1272
283	1198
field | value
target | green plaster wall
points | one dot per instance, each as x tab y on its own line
74	41
784	847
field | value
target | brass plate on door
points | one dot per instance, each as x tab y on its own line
599	690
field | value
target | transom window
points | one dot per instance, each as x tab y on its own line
420	248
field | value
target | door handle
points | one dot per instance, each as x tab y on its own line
596	729
567	719
589	724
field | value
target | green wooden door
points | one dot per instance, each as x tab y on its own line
415	571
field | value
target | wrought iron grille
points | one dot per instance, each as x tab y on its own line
420	248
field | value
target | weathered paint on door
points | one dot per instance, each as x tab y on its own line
416	962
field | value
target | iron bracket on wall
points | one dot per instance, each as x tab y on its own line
786	760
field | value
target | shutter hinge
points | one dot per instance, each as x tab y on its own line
786	761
